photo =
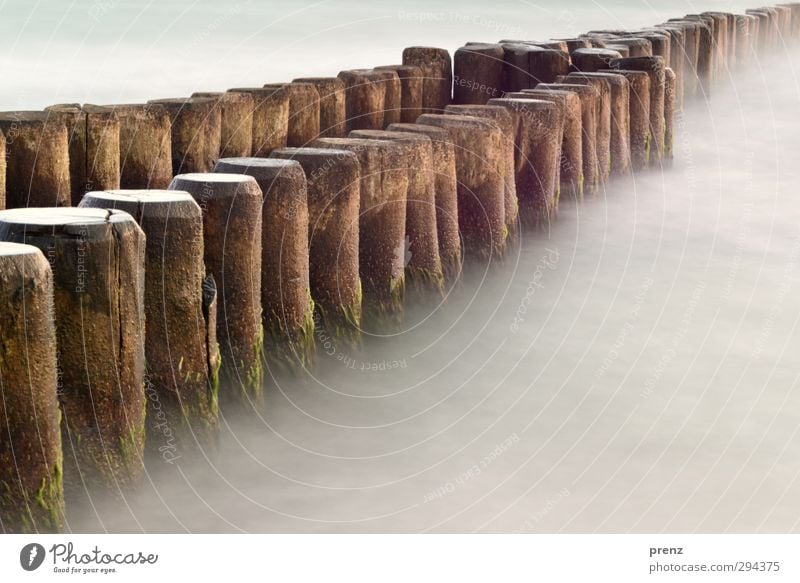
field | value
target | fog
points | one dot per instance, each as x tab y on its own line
631	370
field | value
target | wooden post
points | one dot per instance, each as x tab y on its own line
438	76
145	145
654	66
621	49
31	462
508	126
637	46
574	44
381	227
743	39
602	119
270	118
590	60
231	205
571	162
2	171
478	146
332	113
93	147
236	122
669	113
589	98
410	90
546	64
478	73
691	48
516	67
304	116
540	130
638	116
677	49
181	352
423	265
620	148
37	167
705	55
97	258
444	170
392	95
365	100
333	199
196	124
286	305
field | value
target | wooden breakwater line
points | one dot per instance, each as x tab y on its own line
156	258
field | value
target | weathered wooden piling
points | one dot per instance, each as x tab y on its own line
743	39
669	112
691	46
507	124
236	122
332	111
660	43
2	171
478	147
304	118
602	119
181	352
546	64
571	162
231	205
381	226
97	258
619	104
477	73
720	44
196	124
704	67
270	118
93	147
574	44
424	273
588	97
286	306
392	94
516	76
621	49
437	72
761	41
31	461
145	145
410	91
654	66
333	199
637	46
444	170
540	129
677	48
590	60
638	116
37	159
365	99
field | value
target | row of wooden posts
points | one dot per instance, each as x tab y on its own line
157	258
